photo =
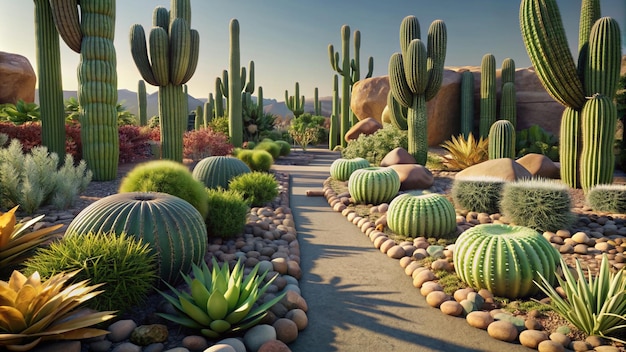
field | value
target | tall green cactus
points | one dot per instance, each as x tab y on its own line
198	118
142	103
598	117
91	35
508	103
508	70
467	103
317	104
219	98
501	140
488	97
295	103
235	113
50	83
597	72
350	71
174	48
259	102
415	76
333	133
208	111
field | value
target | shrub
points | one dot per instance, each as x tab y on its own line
227	213
169	177
199	144
244	155
123	264
480	194
609	198
270	147
285	148
306	129
250	145
465	153
134	143
219	125
537	140
375	146
261	160
257	188
541	204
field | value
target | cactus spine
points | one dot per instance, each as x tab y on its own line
142	103
488	98
598	119
350	71
501	140
317	104
295	104
467	103
174	48
415	76
50	84
333	133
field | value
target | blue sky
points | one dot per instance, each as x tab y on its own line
288	39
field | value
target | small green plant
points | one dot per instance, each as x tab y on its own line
596	305
169	177
220	301
537	140
257	188
219	124
261	160
305	129
375	146
480	194
269	146
541	204
285	147
609	198
227	213
20	112
123	264
464	153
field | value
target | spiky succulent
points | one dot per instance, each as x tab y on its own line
464	153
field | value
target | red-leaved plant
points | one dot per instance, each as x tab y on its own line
199	144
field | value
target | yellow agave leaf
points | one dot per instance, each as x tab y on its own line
23	347
77	320
77	334
7	223
25	297
11	319
17	280
7	294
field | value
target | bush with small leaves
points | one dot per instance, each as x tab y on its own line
285	148
270	147
261	160
124	264
169	177
375	146
541	204
480	194
257	188
608	198
227	213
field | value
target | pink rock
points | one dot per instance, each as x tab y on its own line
366	126
540	165
413	176
397	156
504	168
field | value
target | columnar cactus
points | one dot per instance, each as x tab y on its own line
317	104
341	168
91	35
235	87
488	97
508	103
295	103
504	259
50	85
597	72
174	48
415	77
219	98
209	110
333	133
598	117
508	70
259	102
501	140
374	185
350	71
198	118
467	103
429	215
142	103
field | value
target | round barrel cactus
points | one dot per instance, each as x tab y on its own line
217	171
504	259
429	215
374	185
341	169
174	229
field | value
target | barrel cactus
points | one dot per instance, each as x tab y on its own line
217	171
504	259
481	193
374	185
174	229
609	198
341	169
502	140
429	215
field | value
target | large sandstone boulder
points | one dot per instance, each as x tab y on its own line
366	126
504	168
17	79
398	156
369	97
540	165
413	176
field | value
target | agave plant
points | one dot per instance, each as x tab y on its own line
16	242
465	153
32	311
221	301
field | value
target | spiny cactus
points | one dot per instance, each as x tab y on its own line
429	215
508	71
317	104
501	140
219	98
374	185
295	103
481	194
508	103
415	76
142	103
209	110
467	103
333	133
174	48
598	117
488	98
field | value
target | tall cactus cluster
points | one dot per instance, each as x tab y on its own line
415	76
91	34
174	48
508	102
295	103
587	91
350	71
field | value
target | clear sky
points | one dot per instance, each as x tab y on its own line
288	39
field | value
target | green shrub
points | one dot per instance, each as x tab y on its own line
285	148
250	144
169	177
257	188
375	146
261	160
537	140
124	264
608	198
480	194
220	124
307	129
541	204
270	147
227	212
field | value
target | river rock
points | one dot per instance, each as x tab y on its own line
502	330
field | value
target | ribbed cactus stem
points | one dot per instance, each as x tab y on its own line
50	84
235	117
198	121
437	43
219	98
589	14
295	104
488	98
501	140
207	111
508	71
597	160
259	101
142	103
508	103
333	133
467	103
603	62
171	111
317	105
570	145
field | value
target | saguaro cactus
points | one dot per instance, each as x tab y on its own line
317	104
142	104
219	98
91	35
415	76
350	71
295	103
488	97
597	160
333	133
467	103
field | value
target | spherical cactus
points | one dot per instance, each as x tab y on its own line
429	215
217	171
504	259
341	169
174	229
374	185
481	193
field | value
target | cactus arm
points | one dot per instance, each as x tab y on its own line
589	14
180	50
219	98
66	18
414	62
259	102
139	52
193	55
159	53
249	87
333	58
161	17
398	113
602	68
180	9
142	103
397	82
224	83
409	30
437	42
333	133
